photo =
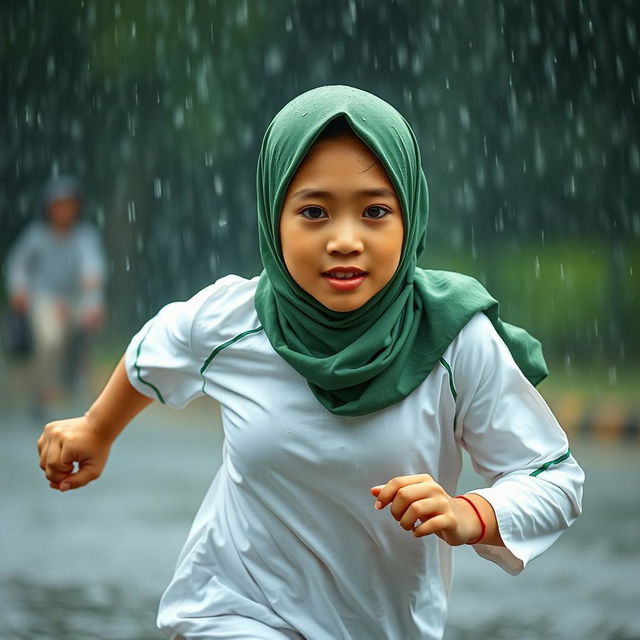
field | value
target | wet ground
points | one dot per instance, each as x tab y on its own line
91	564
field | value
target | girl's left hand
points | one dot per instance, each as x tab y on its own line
423	507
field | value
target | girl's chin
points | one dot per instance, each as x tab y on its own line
344	303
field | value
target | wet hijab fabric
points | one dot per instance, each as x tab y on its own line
365	360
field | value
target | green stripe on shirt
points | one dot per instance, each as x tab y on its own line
546	465
219	348
445	364
226	344
137	368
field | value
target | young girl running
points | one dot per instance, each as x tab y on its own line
349	380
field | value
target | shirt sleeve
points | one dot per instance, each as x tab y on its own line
161	361
516	445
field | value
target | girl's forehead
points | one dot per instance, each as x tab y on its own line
346	167
343	146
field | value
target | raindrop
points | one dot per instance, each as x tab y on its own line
465	117
246	136
75	129
474	252
273	61
573	46
537	268
613	375
157	188
131	211
213	261
567	363
352	9
363	119
218	185
51	67
242	13
178	117
619	69
632	34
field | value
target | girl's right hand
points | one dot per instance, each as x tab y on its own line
72	453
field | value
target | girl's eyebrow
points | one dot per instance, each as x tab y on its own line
319	193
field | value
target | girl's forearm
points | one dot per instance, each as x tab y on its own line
117	405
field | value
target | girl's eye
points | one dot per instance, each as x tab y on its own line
375	213
313	213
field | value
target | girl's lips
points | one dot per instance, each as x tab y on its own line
344	279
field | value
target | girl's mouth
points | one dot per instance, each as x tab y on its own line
344	278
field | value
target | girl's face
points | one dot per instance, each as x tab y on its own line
341	227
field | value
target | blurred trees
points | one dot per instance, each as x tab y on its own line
526	112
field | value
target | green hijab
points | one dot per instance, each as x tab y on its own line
362	361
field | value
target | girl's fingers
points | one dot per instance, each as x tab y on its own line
419	510
394	485
407	496
418	503
57	467
432	525
42	462
44	442
86	474
40	443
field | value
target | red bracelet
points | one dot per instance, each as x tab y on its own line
483	526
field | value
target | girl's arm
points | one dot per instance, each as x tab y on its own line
533	483
84	442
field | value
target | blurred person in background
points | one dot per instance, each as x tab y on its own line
55	280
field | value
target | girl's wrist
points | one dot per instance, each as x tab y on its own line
479	529
103	427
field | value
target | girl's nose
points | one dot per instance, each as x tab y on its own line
344	239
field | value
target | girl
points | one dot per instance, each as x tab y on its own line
343	372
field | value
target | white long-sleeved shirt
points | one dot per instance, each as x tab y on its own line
287	534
